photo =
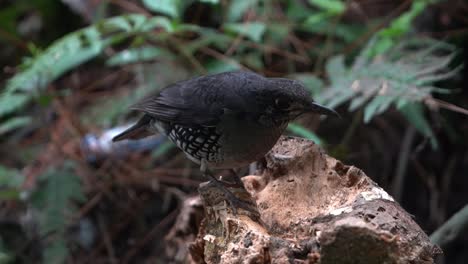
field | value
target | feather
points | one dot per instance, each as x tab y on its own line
202	101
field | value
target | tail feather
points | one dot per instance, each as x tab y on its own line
137	131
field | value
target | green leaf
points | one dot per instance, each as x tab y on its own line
358	101
156	22
64	54
69	52
382	45
398	27
214	2
135	55
303	132
405	73
297	10
53	198
252	30
277	32
14	123
237	8
167	7
323	24
208	38
402	24
58	187
56	252
10	102
317	19
334	97
335	7
311	82
254	60
76	48
5	256
10	178
376	106
335	66
218	66
414	113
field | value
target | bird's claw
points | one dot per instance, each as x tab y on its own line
236	203
233	200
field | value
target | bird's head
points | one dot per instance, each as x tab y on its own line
284	100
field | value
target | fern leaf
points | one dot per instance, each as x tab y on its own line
305	133
252	30
67	53
136	55
53	201
414	113
79	47
336	66
14	123
405	73
11	102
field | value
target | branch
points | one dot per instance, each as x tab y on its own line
452	229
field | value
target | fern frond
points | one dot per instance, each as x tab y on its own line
79	47
71	51
14	123
10	102
53	201
403	75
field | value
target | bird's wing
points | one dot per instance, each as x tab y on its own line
172	106
199	101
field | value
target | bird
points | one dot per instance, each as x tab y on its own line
225	120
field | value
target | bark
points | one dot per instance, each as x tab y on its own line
311	209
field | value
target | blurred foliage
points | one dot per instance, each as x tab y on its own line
5	256
398	28
403	75
65	54
59	187
10	183
391	69
78	47
305	133
10	15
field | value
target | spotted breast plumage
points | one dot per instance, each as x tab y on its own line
199	143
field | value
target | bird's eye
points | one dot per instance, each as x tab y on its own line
282	103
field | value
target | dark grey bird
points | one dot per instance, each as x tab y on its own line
226	120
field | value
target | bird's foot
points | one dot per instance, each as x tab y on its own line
234	201
235	177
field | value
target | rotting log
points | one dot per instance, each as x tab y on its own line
311	209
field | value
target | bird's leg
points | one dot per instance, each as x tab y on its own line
233	200
233	176
237	178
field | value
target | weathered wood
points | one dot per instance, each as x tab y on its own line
312	209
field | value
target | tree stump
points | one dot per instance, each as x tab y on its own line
311	209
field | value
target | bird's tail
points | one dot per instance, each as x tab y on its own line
137	131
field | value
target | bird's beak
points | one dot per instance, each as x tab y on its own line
320	109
